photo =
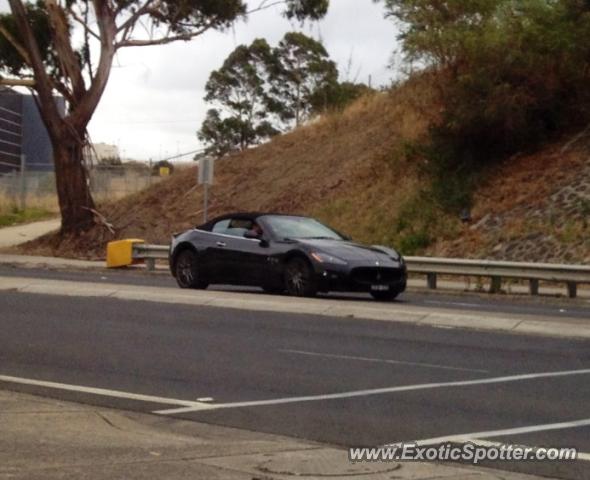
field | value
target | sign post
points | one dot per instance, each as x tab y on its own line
206	168
23	183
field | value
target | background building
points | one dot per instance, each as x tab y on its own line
103	153
22	132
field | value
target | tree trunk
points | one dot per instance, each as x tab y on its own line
75	201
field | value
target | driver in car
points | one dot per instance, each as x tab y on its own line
257	229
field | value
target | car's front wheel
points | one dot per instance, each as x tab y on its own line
300	278
385	296
187	271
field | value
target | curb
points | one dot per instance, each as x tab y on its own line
509	323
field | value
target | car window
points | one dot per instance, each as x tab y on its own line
221	227
300	227
236	227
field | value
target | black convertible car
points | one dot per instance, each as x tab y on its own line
283	254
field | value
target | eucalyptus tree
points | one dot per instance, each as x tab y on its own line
302	68
48	46
239	91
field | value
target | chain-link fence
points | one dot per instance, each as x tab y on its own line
37	189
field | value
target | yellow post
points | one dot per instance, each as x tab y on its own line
120	253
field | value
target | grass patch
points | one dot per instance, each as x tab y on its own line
16	217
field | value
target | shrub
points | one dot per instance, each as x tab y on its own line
510	75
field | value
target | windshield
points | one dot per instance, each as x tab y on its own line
300	227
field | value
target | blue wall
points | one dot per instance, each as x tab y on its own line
36	145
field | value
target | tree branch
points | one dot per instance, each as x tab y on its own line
43	85
163	40
70	62
82	114
18	82
17	46
265	6
135	16
84	23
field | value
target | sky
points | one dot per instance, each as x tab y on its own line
153	104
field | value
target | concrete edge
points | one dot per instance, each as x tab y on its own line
508	323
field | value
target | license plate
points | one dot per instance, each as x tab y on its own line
379	288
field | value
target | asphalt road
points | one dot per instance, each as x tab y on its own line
545	306
301	375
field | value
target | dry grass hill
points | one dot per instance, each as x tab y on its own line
351	171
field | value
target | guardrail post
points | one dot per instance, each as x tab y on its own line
572	289
431	280
496	285
150	264
534	286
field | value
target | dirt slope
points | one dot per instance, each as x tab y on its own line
532	208
350	171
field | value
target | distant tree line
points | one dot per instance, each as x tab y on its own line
261	91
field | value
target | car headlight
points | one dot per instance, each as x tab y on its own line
326	258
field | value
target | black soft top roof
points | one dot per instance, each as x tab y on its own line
241	216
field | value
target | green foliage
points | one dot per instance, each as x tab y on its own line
240	89
414	243
10	60
335	96
510	75
302	9
416	218
225	135
260	91
17	216
301	67
420	221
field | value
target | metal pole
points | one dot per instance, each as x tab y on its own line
205	201
23	183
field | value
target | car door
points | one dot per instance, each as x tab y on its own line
235	260
244	258
217	252
246	261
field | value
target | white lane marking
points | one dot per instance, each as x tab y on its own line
478	437
486	443
460	304
106	393
381	391
464	437
382	360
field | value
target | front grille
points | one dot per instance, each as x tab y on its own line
376	275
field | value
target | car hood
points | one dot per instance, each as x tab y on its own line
350	251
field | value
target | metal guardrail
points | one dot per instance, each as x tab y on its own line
571	275
150	253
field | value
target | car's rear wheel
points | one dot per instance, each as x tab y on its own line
385	296
187	271
300	278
